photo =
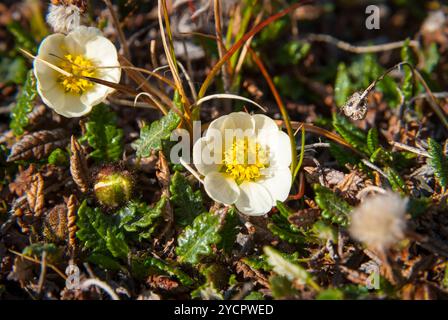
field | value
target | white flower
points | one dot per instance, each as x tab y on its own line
64	18
250	170
80	53
380	220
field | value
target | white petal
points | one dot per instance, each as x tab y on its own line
279	147
254	199
97	94
67	105
279	184
221	188
76	40
50	49
216	126
102	52
53	96
204	156
74	107
241	120
264	123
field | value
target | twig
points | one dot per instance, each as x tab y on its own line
124	43
359	49
95	282
411	149
52	267
221	48
43	272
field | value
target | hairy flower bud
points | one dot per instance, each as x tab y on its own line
113	187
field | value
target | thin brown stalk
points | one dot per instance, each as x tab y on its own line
123	42
221	47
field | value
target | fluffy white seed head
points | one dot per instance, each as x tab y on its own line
64	18
379	221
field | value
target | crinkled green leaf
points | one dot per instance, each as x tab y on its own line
281	287
186	202
285	268
333	207
172	270
438	162
292	52
102	135
342	85
100	233
342	155
196	240
105	261
331	294
152	136
58	157
432	58
396	181
372	140
139	218
24	105
229	231
407	55
36	249
352	134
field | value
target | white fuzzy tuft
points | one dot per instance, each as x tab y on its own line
380	222
64	18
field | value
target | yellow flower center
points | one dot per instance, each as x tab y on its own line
245	160
77	66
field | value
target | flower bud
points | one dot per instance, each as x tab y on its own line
113	187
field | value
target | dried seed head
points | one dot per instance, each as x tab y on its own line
379	221
356	106
55	224
113	187
65	16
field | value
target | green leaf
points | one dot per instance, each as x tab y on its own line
407	55
333	207
152	136
283	209
196	240
330	294
24	105
102	135
285	233
292	52
285	268
169	269
138	217
229	231
186	202
36	249
22	38
438	162
352	134
13	70
372	140
105	261
58	157
342	155
254	295
100	233
396	181
432	58
342	85
281	287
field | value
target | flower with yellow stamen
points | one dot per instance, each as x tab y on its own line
245	161
81	53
